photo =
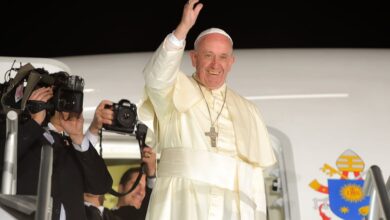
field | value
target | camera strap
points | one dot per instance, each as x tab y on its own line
118	194
34	106
100	142
141	142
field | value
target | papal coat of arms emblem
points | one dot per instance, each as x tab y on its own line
345	194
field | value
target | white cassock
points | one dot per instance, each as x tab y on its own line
195	180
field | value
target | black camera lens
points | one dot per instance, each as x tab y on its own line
126	117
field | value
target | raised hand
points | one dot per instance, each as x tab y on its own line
188	19
102	116
149	158
42	94
73	126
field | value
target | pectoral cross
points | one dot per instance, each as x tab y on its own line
213	136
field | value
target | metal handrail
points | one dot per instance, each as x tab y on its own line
374	185
44	202
10	155
43	206
388	187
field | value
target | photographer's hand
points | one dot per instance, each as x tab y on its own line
42	94
149	158
73	126
102	116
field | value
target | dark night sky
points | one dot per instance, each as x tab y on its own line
64	29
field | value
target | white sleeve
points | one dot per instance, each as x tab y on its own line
88	138
161	70
173	43
150	181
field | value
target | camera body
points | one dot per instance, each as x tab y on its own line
68	93
15	92
125	117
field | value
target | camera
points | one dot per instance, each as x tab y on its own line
125	117
68	92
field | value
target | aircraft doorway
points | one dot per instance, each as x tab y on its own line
280	180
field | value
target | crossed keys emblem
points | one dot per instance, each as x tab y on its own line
330	171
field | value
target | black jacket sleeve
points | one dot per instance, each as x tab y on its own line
97	179
29	133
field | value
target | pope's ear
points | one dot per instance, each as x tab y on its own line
194	57
233	59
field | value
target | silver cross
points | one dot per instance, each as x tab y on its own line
213	136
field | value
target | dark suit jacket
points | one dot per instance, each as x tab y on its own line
73	174
2	144
129	212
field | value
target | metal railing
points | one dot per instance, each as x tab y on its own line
8	186
44	202
374	186
388	187
20	203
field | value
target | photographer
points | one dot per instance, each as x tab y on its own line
77	167
95	209
135	204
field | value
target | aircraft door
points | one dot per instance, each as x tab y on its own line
280	180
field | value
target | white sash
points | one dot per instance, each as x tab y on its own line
217	170
203	166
